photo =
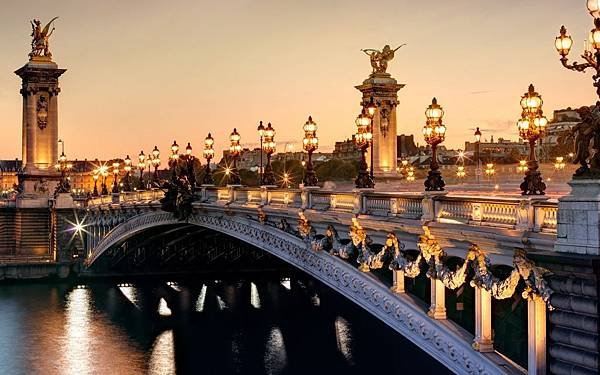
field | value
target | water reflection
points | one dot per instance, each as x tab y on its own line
255	326
162	355
77	338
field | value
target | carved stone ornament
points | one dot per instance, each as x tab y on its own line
384	121
42	112
587	135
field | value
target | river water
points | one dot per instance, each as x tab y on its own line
255	325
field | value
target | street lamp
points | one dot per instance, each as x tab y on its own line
268	147
189	163
95	177
531	128
591	52
363	139
174	159
155	163
371	109
559	164
234	150
63	166
477	154
115	187
460	172
310	144
434	132
104	172
261	134
410	174
141	166
127	168
490	171
209	153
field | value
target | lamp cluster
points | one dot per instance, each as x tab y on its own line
591	50
434	132
310	143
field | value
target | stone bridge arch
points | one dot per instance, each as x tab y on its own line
399	312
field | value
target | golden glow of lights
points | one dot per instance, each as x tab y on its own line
254	296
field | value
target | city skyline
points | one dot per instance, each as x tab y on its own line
280	62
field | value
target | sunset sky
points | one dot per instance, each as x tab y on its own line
147	72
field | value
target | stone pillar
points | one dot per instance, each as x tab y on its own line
578	217
483	321
398	286
40	90
384	91
536	336
438	300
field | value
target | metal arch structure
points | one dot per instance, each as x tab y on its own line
438	338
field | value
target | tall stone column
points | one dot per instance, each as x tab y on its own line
383	90
40	90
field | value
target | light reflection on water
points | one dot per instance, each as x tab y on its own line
162	355
246	327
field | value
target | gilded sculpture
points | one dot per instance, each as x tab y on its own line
380	59
40	45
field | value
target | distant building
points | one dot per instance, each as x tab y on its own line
501	149
8	173
561	123
248	159
406	146
346	150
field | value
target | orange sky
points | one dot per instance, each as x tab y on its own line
142	73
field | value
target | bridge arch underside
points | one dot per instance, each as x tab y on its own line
446	342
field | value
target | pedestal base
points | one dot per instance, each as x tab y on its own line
578	222
38	184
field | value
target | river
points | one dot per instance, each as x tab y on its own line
251	325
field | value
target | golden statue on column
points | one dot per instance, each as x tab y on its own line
380	59
40	46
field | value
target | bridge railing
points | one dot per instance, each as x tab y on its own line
523	213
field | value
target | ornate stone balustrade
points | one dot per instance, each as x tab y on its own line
531	214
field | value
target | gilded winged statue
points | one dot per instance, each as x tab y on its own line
380	59
40	46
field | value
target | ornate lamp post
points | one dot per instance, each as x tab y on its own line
209	153
141	166
189	164
363	139
115	186
63	166
174	159
268	147
104	172
371	109
310	144
155	163
591	53
435	133
531	128
127	169
234	150
95	177
477	154
261	134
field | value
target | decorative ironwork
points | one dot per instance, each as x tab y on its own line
363	139
268	147
235	150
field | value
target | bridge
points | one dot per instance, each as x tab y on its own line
400	256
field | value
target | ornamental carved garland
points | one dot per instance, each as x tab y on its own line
433	254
